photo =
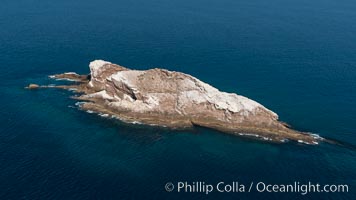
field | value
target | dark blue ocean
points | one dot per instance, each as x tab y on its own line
296	57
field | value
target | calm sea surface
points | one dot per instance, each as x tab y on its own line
296	57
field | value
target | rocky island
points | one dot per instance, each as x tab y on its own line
174	99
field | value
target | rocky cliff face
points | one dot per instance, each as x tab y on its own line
177	100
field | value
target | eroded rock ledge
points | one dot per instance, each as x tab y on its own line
174	99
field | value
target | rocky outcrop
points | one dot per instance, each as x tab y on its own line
177	100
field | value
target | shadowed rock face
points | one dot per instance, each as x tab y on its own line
177	100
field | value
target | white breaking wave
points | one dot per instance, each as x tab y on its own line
255	135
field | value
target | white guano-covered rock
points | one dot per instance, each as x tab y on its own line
167	91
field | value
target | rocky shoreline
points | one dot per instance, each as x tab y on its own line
176	100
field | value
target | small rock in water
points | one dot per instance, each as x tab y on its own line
32	86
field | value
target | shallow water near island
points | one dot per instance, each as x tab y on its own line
297	58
